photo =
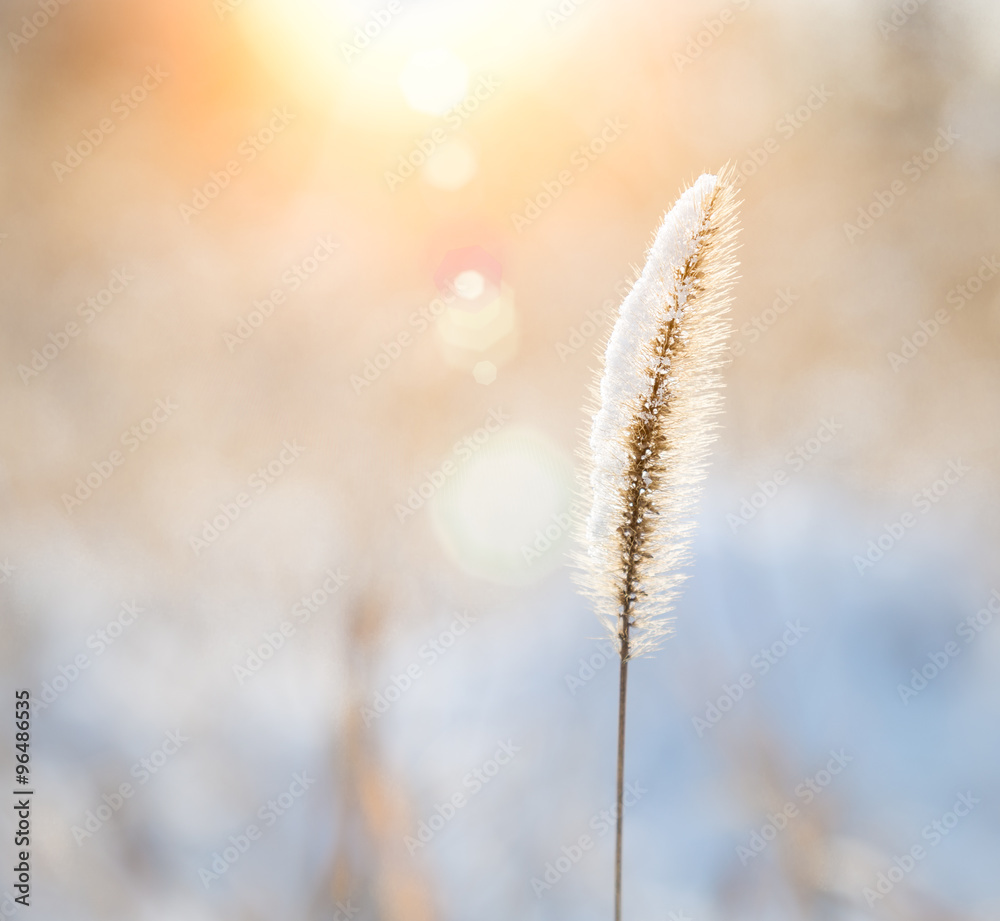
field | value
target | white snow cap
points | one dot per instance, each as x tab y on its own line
686	278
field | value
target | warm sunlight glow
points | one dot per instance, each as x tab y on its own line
434	80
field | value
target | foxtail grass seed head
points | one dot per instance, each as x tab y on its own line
653	417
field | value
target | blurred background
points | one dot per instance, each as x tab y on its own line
300	303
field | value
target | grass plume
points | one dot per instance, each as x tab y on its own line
653	423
